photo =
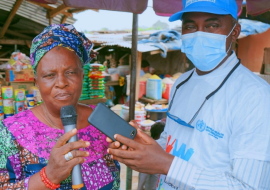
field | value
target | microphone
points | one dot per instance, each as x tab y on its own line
69	121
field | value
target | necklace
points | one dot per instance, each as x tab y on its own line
47	118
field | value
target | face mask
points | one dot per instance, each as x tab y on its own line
205	50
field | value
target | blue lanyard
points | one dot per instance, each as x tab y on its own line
181	122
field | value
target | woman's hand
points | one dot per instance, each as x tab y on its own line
58	169
146	156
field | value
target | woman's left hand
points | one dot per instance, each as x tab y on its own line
148	157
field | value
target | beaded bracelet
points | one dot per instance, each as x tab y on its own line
46	181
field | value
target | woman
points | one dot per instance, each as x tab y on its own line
33	149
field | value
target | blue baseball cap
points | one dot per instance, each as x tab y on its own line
219	7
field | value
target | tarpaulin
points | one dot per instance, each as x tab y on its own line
161	7
167	8
134	6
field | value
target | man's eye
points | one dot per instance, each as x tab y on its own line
213	26
189	27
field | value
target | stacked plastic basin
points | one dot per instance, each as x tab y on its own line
96	81
85	90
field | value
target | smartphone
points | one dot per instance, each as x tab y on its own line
109	123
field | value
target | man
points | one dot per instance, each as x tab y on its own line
145	67
217	134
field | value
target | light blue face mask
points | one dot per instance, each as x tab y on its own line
205	50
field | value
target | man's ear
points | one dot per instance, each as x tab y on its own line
236	32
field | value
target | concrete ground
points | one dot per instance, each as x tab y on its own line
135	176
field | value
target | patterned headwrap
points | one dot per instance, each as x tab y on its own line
64	35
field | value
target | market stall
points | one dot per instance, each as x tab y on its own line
115	48
17	31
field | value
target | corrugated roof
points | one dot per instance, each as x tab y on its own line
34	12
118	40
140	47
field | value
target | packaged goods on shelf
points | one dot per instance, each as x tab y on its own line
96	81
20	76
7	92
19	94
16	100
85	89
18	68
27	86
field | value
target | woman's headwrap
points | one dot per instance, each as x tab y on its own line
64	35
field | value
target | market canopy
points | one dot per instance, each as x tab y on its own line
161	7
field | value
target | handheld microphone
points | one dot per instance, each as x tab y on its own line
69	121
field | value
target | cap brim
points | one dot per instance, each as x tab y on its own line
203	9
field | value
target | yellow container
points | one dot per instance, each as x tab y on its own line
7	92
19	94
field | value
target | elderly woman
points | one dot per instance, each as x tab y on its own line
33	149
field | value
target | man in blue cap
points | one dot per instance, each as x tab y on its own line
217	134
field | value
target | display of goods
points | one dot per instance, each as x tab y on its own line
97	88
95	74
96	96
99	80
96	85
85	90
8	115
146	125
8	109
19	101
19	94
30	101
85	85
1	106
8	102
142	90
7	92
154	88
96	67
19	107
96	81
20	76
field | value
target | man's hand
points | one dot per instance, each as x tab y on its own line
145	154
116	144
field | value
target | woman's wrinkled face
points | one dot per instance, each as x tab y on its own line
60	78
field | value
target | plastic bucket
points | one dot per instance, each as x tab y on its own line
142	90
166	91
154	89
139	115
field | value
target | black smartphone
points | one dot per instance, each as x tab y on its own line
109	123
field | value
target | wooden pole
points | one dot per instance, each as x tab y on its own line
10	17
132	86
64	19
50	21
139	62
